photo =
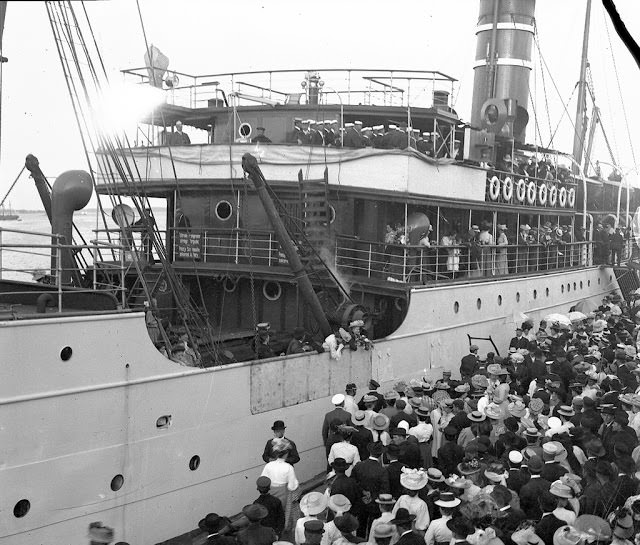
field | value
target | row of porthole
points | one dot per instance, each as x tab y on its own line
270	289
456	305
23	506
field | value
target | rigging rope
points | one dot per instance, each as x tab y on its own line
624	110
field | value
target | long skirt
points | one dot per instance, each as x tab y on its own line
281	492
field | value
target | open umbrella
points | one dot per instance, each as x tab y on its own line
585	306
559	318
576	316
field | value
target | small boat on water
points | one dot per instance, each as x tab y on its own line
131	390
6	214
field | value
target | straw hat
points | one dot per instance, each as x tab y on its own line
385	499
435	475
380	422
493	411
567	535
448	500
313	503
455	481
339	503
413	479
517	409
561	490
595	527
527	536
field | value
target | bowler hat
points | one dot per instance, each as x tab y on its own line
212	522
403	517
278	425
346	523
340	463
460	526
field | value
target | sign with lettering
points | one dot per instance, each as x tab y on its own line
189	245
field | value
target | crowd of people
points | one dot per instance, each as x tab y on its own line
355	135
538	447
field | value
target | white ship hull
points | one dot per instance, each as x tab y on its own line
68	427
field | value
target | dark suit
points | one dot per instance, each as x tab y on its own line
411	456
410	538
337	414
256	534
517	479
347	486
361	440
552	472
529	495
449	456
293	457
468	365
519	342
373	480
394	470
275	518
507	522
380	404
411	419
625	486
547	527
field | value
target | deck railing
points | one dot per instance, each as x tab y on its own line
438	264
35	256
418	88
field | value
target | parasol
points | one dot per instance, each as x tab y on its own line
576	316
586	306
559	318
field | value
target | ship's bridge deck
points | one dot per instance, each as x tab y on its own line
301	87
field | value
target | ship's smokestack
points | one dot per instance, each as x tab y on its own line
502	66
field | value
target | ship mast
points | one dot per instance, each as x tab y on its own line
581	121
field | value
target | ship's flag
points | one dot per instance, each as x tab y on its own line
156	65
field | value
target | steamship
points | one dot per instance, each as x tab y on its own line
101	421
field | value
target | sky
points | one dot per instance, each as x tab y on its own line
203	37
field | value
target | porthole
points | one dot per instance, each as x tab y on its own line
535	294
568	288
598	281
21	508
499	300
224	210
562	288
546	292
272	290
574	286
229	285
580	284
244	130
194	463
479	303
588	283
332	214
66	353
456	307
517	297
163	422
610	278
117	482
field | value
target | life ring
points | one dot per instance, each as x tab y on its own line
562	197
494	188
531	192
542	194
521	190
553	195
507	189
571	197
